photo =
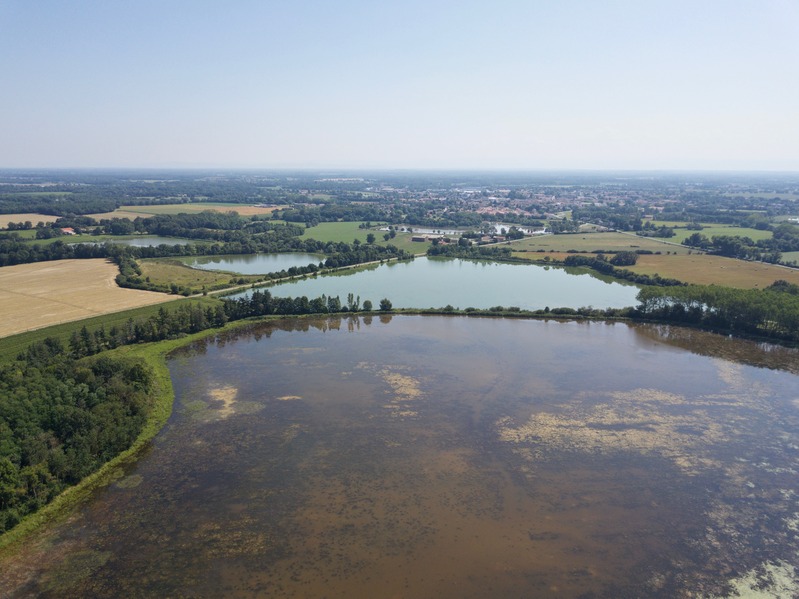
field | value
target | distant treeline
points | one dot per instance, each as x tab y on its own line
477	252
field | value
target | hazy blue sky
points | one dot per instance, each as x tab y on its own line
531	84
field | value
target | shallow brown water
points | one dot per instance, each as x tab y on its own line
450	457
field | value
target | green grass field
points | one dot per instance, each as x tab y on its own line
588	242
349	231
790	256
715	229
166	271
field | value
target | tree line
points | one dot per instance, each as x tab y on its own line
772	312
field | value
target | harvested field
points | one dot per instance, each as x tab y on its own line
28	216
133	212
702	269
38	295
119	213
699	269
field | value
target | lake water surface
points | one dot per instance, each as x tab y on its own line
457	457
144	241
254	264
436	282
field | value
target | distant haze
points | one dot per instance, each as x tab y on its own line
522	84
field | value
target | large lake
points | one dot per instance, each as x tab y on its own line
254	264
436	282
435	457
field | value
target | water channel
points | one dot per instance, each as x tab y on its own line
420	457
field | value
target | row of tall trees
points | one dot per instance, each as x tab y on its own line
772	312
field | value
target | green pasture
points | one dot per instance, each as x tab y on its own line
165	271
790	256
717	229
24	234
589	242
339	232
349	230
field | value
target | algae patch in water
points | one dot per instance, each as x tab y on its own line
130	482
227	397
75	568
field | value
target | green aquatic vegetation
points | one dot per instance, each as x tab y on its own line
74	569
130	482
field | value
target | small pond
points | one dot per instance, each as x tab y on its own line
253	264
143	241
437	282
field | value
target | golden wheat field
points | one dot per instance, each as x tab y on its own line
38	295
28	216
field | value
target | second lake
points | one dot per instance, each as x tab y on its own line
438	282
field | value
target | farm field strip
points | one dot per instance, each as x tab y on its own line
704	269
41	294
611	242
23	217
710	230
133	212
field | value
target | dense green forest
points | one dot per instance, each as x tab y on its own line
60	420
772	312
